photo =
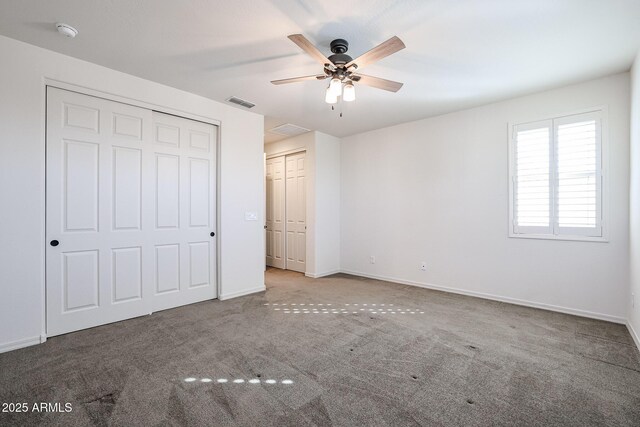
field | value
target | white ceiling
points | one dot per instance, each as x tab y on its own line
459	53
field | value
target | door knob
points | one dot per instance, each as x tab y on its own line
54	243
212	234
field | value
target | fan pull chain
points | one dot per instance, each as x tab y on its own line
333	108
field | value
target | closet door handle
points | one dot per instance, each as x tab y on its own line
212	234
54	243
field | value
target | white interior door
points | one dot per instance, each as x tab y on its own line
184	211
96	192
111	195
275	212
296	213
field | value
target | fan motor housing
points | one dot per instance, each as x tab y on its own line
340	59
339	48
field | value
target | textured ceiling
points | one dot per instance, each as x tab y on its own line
459	53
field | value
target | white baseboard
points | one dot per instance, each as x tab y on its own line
533	304
634	335
242	293
14	345
318	275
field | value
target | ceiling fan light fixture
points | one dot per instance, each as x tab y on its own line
349	93
335	87
340	68
329	97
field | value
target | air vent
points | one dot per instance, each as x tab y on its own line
288	129
240	101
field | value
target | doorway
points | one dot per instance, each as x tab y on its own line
286	212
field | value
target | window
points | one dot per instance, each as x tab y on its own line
556	178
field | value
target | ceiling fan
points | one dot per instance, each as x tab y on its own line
342	69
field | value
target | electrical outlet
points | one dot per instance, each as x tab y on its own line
423	266
372	259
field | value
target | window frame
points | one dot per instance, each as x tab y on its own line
553	232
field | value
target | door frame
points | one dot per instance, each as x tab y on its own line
59	84
284	154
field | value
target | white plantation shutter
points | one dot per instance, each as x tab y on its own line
556	172
532	178
578	157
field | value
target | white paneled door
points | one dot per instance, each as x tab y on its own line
130	209
295	213
183	169
275	212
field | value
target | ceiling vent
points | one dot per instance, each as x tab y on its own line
288	129
240	101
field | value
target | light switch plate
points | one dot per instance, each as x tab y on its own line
250	216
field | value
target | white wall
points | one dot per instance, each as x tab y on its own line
327	204
633	306
323	197
436	190
22	177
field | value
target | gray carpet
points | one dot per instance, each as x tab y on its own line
422	358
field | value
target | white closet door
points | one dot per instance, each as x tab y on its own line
275	212
184	211
296	213
129	211
97	266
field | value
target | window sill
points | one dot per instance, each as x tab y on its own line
556	237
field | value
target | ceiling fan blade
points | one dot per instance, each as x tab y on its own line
299	79
308	47
383	50
377	82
